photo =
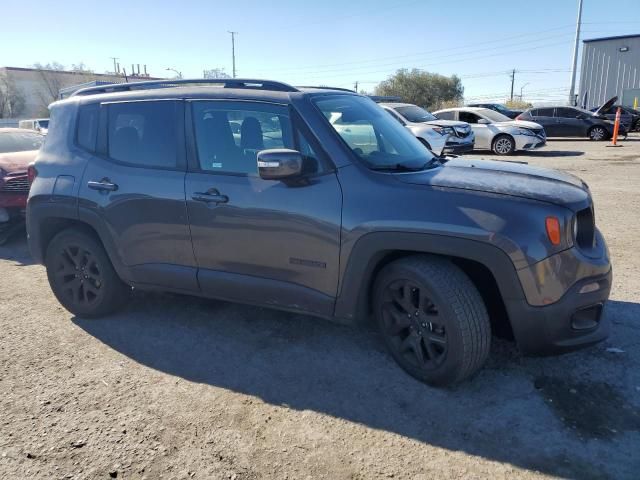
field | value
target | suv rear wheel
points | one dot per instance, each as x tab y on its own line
81	275
432	319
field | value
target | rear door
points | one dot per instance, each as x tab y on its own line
261	241
544	117
133	187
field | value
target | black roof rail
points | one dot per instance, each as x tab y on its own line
327	88
224	82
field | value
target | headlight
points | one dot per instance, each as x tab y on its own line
444	130
524	131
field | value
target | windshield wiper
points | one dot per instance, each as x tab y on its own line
401	167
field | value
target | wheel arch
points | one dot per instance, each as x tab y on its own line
488	267
45	221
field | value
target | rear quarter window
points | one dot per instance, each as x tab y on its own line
87	130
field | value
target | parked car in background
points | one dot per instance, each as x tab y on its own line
459	135
496	132
18	148
629	117
498	107
40	125
572	122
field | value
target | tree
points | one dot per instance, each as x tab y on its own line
216	73
429	90
11	100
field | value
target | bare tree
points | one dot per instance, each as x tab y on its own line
11	99
216	73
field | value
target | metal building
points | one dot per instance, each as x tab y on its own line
610	67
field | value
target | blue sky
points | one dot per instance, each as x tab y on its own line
326	42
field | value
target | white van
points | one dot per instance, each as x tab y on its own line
38	124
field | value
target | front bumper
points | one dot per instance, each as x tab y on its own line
458	147
576	321
529	142
564	303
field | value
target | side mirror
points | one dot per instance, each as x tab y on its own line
279	164
483	121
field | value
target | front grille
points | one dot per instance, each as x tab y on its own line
15	185
585	228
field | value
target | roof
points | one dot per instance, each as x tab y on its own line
197	92
619	37
396	104
460	109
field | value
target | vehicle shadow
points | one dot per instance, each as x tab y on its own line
502	414
16	249
551	153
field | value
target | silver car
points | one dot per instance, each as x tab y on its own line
459	136
497	132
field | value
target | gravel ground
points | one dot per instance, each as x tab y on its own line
177	387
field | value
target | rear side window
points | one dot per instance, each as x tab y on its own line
143	134
87	132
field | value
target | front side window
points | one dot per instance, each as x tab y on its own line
143	134
372	135
468	117
20	141
229	135
543	112
448	115
566	113
494	116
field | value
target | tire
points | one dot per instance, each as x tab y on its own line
598	133
432	319
81	275
503	145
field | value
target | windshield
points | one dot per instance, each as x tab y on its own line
494	116
415	114
19	142
501	108
43	123
372	134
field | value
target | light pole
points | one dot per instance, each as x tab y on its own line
233	51
572	89
522	88
175	71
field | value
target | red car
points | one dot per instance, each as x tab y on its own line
18	148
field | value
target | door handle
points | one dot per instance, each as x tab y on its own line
212	196
104	185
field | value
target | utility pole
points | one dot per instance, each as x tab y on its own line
572	89
355	86
513	79
115	67
233	51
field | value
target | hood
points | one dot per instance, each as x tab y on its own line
606	106
505	178
17	161
519	124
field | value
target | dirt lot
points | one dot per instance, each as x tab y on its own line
176	387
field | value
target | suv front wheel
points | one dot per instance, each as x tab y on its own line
81	275
432	318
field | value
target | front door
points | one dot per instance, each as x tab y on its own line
483	132
260	241
134	185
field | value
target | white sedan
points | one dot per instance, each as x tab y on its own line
497	132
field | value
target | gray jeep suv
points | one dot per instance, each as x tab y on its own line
149	186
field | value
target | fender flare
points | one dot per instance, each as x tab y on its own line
372	249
